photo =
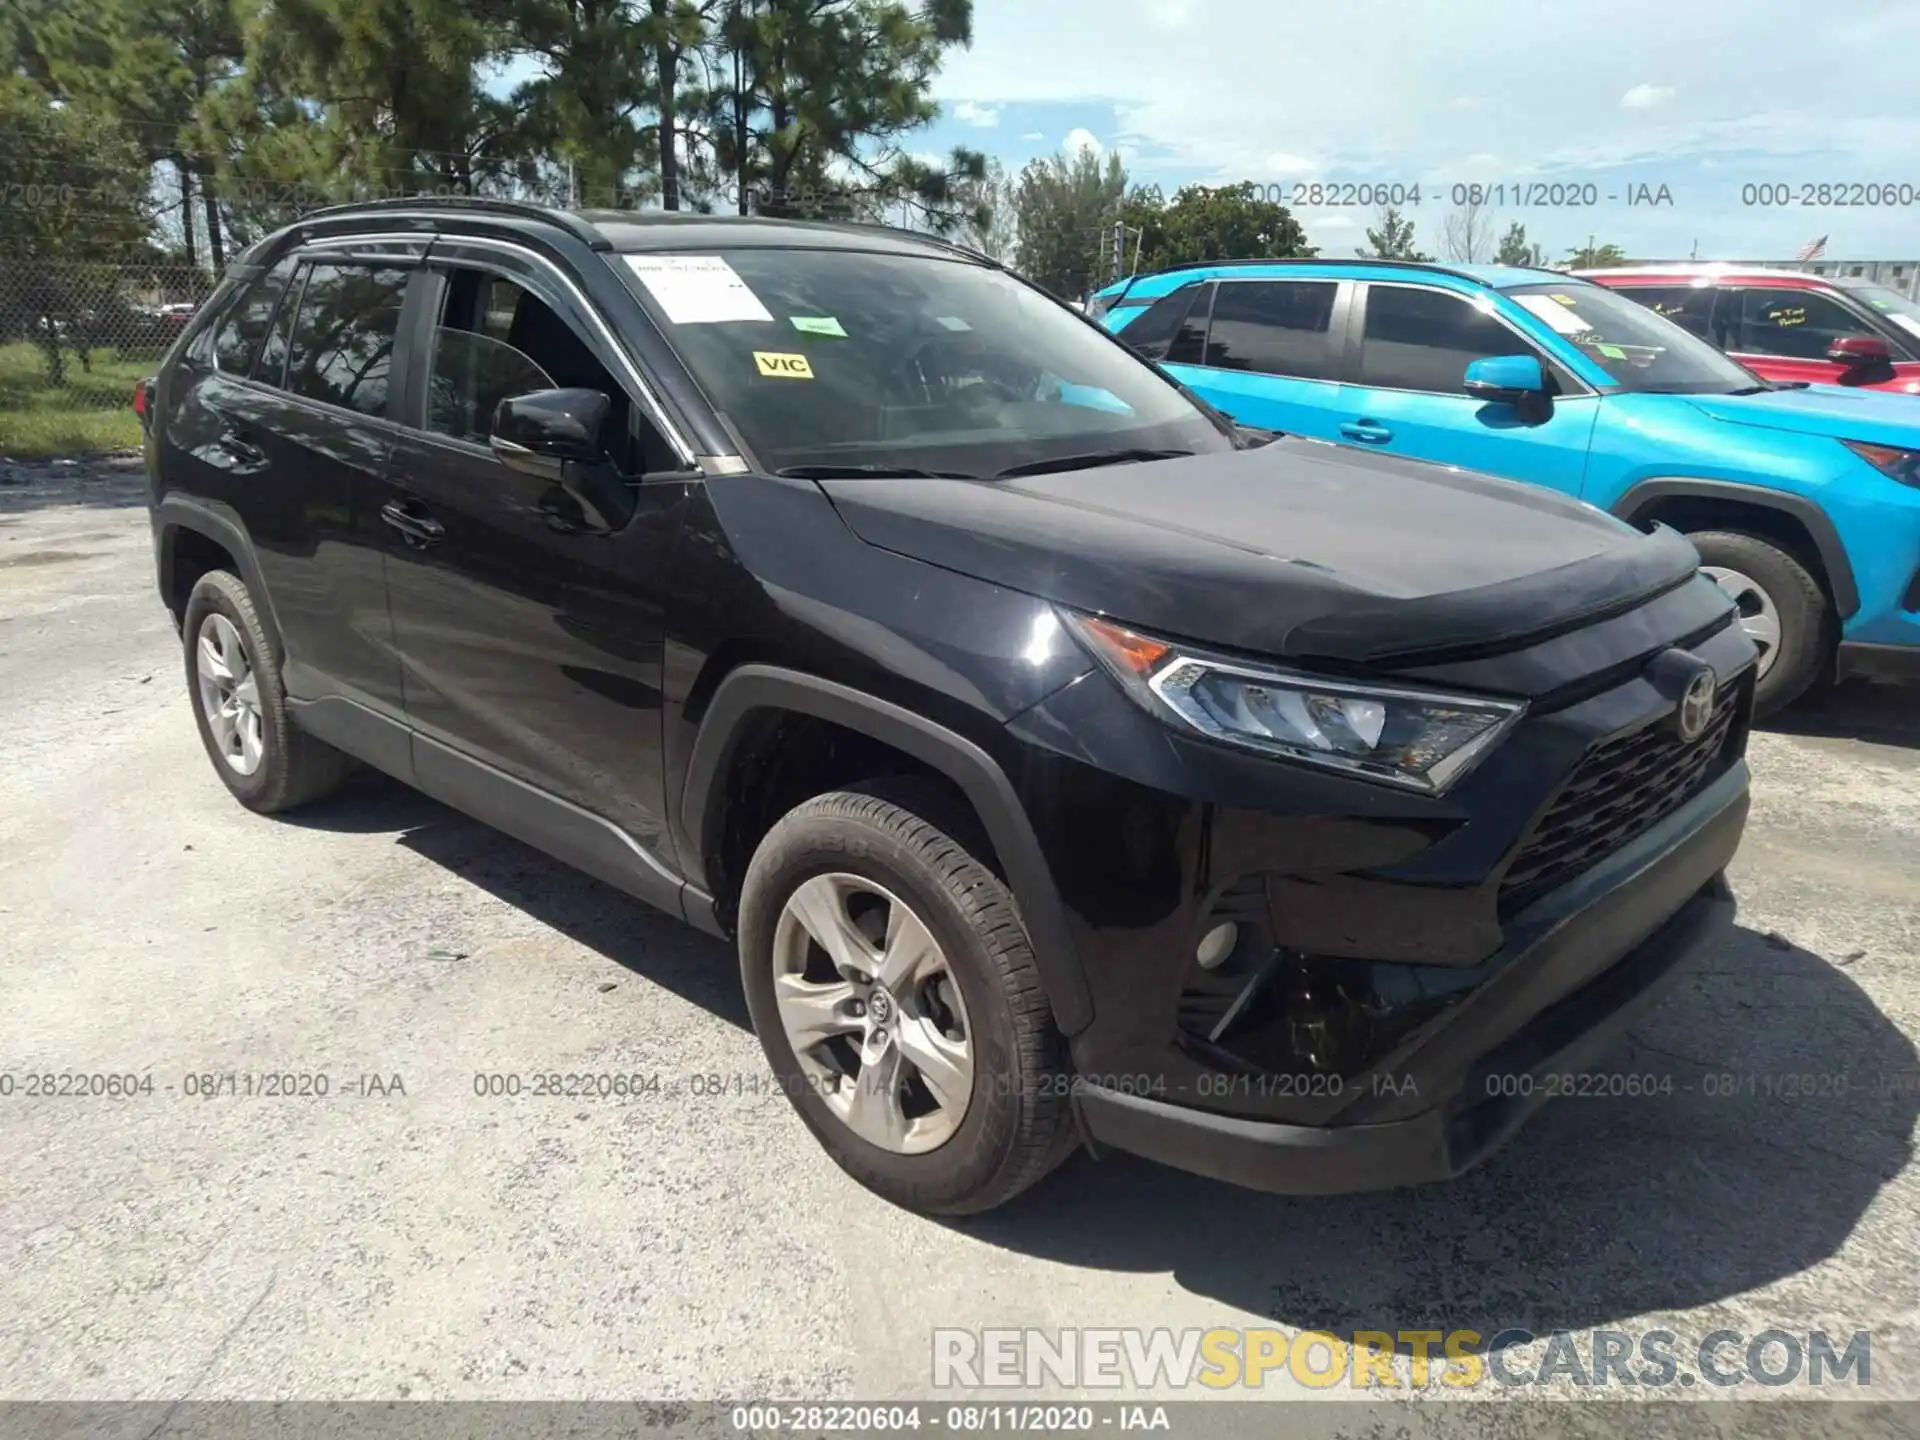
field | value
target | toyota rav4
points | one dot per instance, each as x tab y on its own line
1064	761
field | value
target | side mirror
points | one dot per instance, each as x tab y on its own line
1859	351
555	435
1506	378
539	432
1516	380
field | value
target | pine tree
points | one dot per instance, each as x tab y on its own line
1392	240
1514	249
1065	209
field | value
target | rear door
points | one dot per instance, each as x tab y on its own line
1269	352
1691	307
286	429
531	643
1411	347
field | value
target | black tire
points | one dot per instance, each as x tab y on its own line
1017	1125
295	769
1806	615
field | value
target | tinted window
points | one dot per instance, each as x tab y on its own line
1794	324
1189	345
342	345
272	362
1279	327
1421	339
1688	306
915	360
1151	332
246	323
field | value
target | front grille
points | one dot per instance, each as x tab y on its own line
1621	790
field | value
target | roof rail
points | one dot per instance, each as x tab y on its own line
1430	266
481	204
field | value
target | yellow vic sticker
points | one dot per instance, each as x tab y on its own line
785	367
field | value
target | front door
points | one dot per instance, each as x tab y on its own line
1784	333
1407	394
530	641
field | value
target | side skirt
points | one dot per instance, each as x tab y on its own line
556	827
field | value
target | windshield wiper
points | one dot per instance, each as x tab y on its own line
1087	461
874	472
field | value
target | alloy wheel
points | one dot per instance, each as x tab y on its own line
873	1012
229	694
1758	615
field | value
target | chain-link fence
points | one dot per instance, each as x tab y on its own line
75	337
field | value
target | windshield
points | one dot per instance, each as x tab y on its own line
1638	349
1891	303
844	358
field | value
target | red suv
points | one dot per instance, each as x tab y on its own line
1786	325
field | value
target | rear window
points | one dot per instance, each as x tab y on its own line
1688	306
1277	327
246	324
1150	333
341	349
832	357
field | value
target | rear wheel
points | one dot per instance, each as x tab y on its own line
895	994
1782	608
268	762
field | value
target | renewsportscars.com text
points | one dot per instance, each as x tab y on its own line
1460	1359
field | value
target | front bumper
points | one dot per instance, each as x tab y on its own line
1604	950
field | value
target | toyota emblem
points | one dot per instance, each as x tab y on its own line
1696	707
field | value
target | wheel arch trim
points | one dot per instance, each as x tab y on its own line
756	687
175	513
1819	526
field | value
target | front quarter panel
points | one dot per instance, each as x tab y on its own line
1648	438
766	571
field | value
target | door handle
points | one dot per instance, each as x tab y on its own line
236	444
416	528
1366	431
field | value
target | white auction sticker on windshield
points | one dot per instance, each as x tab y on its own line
1554	313
697	289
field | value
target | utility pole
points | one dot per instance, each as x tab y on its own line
1119	249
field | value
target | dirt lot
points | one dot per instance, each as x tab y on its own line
418	1239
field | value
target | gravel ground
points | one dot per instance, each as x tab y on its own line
415	1239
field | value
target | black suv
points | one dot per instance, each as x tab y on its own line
1067	763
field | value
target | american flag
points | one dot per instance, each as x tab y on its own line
1815	250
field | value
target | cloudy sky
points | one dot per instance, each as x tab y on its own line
1700	96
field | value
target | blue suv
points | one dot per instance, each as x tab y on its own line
1803	500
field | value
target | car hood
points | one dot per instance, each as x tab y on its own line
1878	416
1298	548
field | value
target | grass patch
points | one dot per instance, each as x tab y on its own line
89	413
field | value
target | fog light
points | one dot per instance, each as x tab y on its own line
1217	944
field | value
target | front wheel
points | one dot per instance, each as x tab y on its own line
1782	608
895	994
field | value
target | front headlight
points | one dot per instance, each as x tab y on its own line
1420	740
1901	465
